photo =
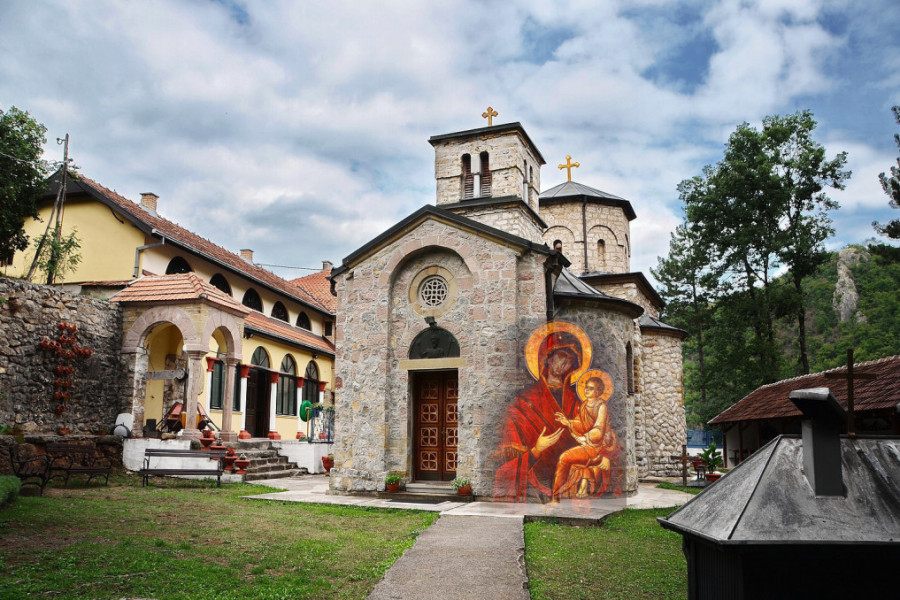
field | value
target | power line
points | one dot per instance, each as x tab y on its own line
287	267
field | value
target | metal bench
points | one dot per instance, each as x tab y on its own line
213	470
30	467
71	458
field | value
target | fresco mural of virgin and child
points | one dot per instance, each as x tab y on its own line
557	441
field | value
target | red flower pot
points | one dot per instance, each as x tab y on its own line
328	463
241	464
465	490
392	487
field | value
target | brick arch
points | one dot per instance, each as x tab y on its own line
562	233
137	333
230	330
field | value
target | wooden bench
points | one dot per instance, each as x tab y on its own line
31	468
77	458
215	469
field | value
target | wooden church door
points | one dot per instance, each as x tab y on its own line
436	425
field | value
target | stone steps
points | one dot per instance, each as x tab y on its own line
265	462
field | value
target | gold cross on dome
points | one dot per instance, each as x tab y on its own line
569	166
489	114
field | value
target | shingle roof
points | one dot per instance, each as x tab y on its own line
569	286
190	241
648	322
771	401
272	327
318	286
182	287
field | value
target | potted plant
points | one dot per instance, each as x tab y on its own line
392	482
462	486
328	462
712	458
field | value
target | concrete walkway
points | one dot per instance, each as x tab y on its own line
472	546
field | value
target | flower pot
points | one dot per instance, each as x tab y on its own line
464	490
710	477
207	442
229	462
392	487
328	463
241	464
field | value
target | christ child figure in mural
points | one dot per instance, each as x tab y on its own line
583	471
532	440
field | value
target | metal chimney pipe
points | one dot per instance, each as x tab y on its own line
821	426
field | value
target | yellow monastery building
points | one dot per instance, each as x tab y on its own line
201	325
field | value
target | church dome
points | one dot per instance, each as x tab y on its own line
572	190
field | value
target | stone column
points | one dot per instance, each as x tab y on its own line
245	375
273	397
228	434
139	364
195	362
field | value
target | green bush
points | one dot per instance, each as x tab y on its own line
9	489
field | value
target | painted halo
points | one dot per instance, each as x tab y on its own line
603	376
532	348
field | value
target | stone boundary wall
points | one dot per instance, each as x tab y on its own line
31	312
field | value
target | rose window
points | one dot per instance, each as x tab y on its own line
433	291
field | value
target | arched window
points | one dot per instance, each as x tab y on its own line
601	255
629	366
485	176
178	265
280	312
468	178
260	358
218	280
303	321
252	300
286	390
217	388
311	385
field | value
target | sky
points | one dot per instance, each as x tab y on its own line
300	129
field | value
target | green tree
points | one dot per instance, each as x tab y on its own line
57	254
891	186
762	207
22	177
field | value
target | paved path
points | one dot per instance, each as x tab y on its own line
460	557
474	549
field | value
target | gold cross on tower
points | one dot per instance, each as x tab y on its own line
569	165
489	114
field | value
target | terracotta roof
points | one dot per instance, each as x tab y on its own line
189	240
284	331
177	288
771	401
318	286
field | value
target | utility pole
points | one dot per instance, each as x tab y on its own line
54	218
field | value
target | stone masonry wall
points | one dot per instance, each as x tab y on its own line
632	293
508	155
608	223
662	405
499	301
609	332
30	313
515	221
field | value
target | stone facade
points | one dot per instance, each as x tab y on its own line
30	313
514	165
632	292
660	405
513	218
604	222
499	301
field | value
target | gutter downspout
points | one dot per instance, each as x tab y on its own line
139	249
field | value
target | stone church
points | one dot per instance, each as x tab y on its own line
500	335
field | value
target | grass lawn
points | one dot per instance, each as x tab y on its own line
194	540
629	556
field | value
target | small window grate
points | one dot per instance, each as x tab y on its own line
433	291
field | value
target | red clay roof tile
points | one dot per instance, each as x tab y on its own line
771	401
202	246
318	286
177	288
288	332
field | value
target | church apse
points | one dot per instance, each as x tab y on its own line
560	434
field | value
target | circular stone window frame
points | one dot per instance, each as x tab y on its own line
415	286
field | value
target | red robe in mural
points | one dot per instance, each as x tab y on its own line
521	474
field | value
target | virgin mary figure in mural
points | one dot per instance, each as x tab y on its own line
533	440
